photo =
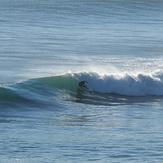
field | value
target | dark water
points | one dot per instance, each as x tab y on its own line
47	47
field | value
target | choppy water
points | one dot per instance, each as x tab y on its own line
47	47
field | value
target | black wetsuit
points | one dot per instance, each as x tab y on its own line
82	84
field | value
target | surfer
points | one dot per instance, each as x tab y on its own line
82	84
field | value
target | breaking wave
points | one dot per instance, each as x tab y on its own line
131	85
107	88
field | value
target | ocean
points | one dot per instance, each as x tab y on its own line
48	47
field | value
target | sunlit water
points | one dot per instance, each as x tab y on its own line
47	47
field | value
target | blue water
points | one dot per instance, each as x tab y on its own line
47	47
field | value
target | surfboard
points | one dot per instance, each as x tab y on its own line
83	90
90	90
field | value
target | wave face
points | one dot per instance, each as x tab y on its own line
127	84
107	89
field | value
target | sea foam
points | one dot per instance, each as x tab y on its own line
126	84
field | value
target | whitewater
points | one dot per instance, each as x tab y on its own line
47	48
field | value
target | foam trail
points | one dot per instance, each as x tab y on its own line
127	84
